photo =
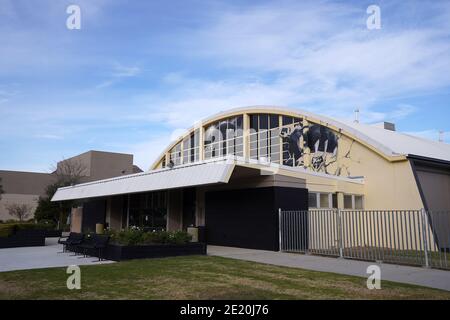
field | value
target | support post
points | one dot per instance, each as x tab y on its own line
341	234
425	236
279	230
128	212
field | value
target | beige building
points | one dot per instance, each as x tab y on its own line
27	187
234	170
22	188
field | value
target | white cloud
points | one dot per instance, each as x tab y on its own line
49	136
146	152
119	72
315	55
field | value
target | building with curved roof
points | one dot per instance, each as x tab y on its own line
231	171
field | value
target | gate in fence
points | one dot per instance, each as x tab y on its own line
412	237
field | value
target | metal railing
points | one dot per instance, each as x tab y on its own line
412	237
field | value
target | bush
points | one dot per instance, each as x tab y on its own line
135	236
8	229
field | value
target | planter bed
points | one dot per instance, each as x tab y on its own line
24	238
120	252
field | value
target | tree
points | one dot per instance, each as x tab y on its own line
19	211
46	209
67	172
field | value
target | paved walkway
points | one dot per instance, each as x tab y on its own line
41	257
432	278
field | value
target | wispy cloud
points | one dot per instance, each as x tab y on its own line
118	73
315	55
49	136
7	93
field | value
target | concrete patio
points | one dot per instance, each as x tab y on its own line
438	279
41	257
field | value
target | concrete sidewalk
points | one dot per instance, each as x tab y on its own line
41	257
432	278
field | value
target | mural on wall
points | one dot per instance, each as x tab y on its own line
313	147
281	139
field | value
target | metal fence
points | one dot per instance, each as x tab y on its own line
412	237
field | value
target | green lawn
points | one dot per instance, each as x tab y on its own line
199	277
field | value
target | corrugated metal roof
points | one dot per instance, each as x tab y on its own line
177	177
403	144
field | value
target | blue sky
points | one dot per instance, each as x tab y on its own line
139	72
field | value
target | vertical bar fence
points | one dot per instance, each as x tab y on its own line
410	237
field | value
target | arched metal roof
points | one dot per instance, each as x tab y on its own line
391	145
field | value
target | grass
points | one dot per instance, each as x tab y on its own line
200	277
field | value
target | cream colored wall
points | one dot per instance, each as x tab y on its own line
387	185
9	198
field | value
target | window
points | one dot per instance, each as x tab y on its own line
322	200
312	200
334	200
325	200
359	202
354	202
224	137
348	202
191	148
148	210
265	141
175	154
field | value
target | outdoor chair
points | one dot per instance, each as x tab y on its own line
97	244
74	242
73	239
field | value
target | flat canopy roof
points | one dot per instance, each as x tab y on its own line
177	177
208	172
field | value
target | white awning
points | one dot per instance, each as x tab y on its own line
177	177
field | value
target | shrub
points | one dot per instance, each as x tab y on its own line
8	229
179	237
138	237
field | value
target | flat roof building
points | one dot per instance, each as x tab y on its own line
26	187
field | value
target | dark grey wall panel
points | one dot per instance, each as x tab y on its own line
94	211
248	218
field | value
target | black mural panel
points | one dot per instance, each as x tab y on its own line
317	140
94	211
248	218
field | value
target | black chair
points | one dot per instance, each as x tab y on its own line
73	239
96	244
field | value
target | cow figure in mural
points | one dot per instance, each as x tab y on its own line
293	140
320	140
